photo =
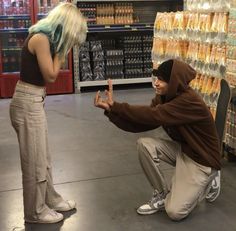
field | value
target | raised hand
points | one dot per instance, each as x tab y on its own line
109	93
101	103
105	103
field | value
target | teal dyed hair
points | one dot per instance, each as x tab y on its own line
65	27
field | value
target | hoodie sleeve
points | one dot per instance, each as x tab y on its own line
155	101
126	125
181	110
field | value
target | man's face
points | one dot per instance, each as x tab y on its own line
160	86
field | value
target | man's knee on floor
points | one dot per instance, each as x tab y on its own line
176	213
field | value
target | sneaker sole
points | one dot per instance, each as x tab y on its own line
212	200
150	212
44	222
64	210
147	213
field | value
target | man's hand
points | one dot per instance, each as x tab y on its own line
105	103
109	93
99	102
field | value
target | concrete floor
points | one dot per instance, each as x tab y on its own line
96	164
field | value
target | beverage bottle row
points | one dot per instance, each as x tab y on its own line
230	138
206	58
209	88
15	7
11	61
208	5
46	5
12	24
205	27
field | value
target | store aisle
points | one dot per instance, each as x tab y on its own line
96	164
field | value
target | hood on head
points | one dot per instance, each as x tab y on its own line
163	72
181	75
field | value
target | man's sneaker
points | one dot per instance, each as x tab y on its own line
65	206
155	204
215	188
51	217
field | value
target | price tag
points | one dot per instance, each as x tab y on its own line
134	29
127	26
107	27
148	25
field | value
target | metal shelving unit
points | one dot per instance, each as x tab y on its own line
146	12
120	28
115	82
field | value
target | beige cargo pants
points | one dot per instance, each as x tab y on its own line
190	181
29	121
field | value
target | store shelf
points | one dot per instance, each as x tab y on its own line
119	28
14	17
62	72
179	1
40	16
12	49
114	81
14	30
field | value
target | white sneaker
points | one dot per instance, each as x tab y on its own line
155	204
215	188
51	217
65	206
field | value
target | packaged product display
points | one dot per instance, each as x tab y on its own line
89	11
231	48
208	5
123	57
47	5
230	138
114	64
208	87
11	50
17	7
108	13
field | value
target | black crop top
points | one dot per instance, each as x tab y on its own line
30	71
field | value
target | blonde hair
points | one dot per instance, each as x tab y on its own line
65	27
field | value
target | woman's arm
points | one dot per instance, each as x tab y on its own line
39	45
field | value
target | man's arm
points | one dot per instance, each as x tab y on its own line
128	125
181	110
121	123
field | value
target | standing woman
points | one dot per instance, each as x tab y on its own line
44	51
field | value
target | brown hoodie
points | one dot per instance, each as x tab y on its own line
183	115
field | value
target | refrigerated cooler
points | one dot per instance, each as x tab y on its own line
16	16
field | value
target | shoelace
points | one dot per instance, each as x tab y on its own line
156	197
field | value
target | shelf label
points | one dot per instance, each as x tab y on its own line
107	27
127	26
148	25
134	29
